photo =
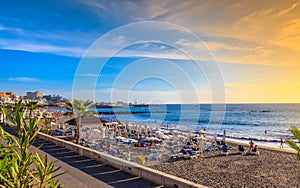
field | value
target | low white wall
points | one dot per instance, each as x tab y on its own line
149	174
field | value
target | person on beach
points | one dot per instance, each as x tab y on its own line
251	145
281	143
255	150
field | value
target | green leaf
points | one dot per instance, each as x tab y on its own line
296	132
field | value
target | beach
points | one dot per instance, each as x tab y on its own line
274	167
269	169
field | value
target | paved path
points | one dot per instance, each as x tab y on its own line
83	172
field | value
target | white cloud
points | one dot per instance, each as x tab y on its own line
39	47
2	28
11	29
24	79
272	26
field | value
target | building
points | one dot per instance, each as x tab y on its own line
9	94
34	95
54	98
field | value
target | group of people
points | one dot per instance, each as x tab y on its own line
252	147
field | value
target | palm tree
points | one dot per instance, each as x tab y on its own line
79	108
47	124
69	108
296	132
31	105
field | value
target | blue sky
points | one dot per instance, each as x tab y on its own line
256	44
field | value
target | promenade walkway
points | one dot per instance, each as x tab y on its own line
83	172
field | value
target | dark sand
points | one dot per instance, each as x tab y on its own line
269	169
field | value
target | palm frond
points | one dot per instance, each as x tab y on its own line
295	131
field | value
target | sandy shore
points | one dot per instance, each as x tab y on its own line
269	169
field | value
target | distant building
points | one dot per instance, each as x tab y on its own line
34	95
54	98
7	95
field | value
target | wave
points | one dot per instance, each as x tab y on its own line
252	138
229	123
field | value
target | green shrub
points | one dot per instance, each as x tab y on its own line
18	166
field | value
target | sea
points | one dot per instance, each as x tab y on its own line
265	124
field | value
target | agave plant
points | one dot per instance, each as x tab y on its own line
296	132
31	105
81	109
18	166
47	125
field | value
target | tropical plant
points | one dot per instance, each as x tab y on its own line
296	132
18	166
31	105
81	109
47	125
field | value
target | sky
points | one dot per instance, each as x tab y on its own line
153	51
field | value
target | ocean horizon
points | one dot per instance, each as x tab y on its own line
265	123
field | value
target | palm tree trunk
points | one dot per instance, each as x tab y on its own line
78	130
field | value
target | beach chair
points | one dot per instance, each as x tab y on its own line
225	150
182	153
177	155
190	155
210	148
156	156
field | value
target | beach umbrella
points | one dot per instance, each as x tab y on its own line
112	134
96	130
152	139
176	131
147	130
158	133
120	138
101	126
103	132
215	137
101	135
224	135
178	137
201	145
132	140
165	137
